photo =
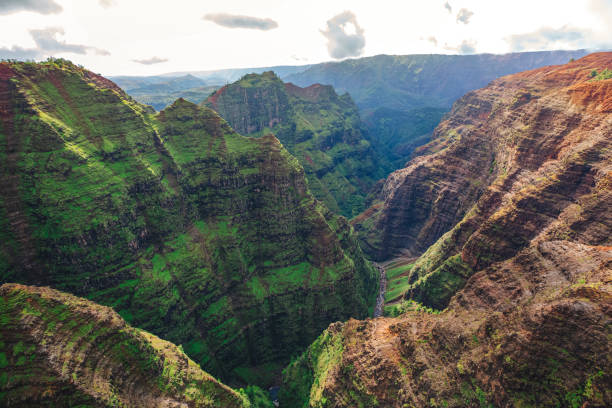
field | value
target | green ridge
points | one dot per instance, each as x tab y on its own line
60	350
320	128
204	237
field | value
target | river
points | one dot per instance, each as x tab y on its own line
380	300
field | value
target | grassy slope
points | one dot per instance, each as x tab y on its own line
397	281
204	237
60	350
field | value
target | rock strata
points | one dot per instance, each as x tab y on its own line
59	350
515	195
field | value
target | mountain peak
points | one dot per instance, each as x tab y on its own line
188	229
322	129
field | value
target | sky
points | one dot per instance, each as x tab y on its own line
147	37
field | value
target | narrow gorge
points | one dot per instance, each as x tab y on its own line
510	304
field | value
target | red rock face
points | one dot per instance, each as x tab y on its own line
312	93
527	154
520	175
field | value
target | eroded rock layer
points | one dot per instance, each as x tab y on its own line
189	230
527	155
520	175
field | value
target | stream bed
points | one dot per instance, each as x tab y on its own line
380	300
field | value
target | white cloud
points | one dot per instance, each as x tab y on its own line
465	47
464	15
345	38
151	61
107	3
47	44
140	29
239	21
547	38
36	6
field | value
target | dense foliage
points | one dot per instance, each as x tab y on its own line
189	230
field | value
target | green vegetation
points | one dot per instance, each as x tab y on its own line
190	231
396	133
601	76
398	281
257	397
305	377
406	306
321	129
56	346
436	288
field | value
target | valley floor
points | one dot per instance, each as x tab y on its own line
396	274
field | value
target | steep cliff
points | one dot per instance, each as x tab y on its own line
530	332
58	350
526	154
190	231
321	129
515	195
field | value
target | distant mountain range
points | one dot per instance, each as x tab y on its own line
401	98
392	81
405	82
160	91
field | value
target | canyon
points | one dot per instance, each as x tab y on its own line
189	256
510	302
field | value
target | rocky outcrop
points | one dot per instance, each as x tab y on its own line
320	128
190	231
60	350
520	174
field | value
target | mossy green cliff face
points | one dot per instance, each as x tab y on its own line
58	350
204	237
321	129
